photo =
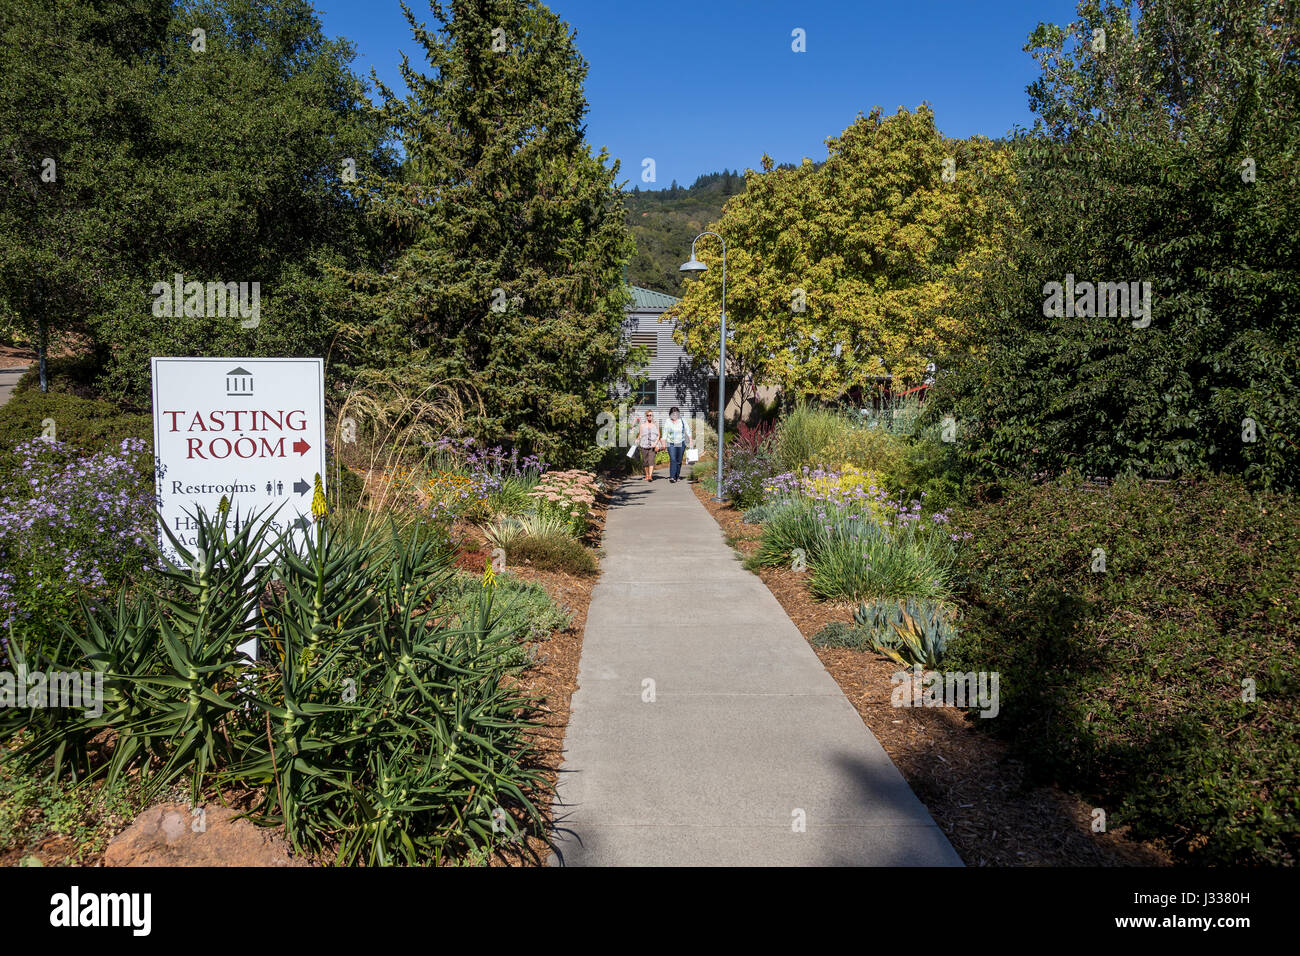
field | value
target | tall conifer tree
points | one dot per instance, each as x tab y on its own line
506	276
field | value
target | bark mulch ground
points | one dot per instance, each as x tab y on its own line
975	790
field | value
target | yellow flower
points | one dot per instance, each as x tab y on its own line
489	574
318	507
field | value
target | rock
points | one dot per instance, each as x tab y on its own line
171	834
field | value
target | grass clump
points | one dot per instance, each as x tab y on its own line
553	552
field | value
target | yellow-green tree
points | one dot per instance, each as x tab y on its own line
842	272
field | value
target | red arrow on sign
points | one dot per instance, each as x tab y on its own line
301	447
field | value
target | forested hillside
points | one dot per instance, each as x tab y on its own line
664	221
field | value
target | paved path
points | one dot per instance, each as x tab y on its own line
8	379
746	729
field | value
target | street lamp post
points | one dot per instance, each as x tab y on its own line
695	265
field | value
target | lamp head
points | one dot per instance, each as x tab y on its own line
694	265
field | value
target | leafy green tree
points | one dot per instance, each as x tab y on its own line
841	274
1165	152
218	155
507	277
64	146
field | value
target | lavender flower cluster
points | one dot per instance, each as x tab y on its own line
493	461
71	524
850	500
471	475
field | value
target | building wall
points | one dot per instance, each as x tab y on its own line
679	382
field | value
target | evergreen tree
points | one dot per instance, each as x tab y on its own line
506	280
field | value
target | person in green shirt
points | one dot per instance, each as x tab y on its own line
677	434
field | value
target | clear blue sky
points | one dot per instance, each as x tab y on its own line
699	85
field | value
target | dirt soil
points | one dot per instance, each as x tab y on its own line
11	357
975	790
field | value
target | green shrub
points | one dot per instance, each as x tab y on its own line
803	436
899	416
743	474
86	425
552	552
346	487
65	374
930	467
760	513
1127	684
866	447
831	439
523	608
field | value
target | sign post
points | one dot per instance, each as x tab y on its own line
251	430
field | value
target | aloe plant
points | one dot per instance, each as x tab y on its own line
376	720
909	633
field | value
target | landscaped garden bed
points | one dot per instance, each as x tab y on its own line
411	693
1146	710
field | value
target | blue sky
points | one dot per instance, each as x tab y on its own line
699	85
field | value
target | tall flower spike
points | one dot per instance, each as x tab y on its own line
318	507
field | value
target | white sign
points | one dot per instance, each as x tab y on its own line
249	429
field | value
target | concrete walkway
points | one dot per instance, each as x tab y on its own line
747	735
8	379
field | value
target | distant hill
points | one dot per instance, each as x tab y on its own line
664	221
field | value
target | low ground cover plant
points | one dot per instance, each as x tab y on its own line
1146	635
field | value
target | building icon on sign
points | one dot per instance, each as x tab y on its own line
239	381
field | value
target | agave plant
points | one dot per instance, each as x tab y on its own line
504	532
909	633
389	736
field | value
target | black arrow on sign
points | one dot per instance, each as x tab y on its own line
301	487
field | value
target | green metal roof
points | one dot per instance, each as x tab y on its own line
647	300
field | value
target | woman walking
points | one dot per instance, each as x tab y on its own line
676	433
649	442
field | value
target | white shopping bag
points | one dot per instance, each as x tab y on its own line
631	452
692	455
